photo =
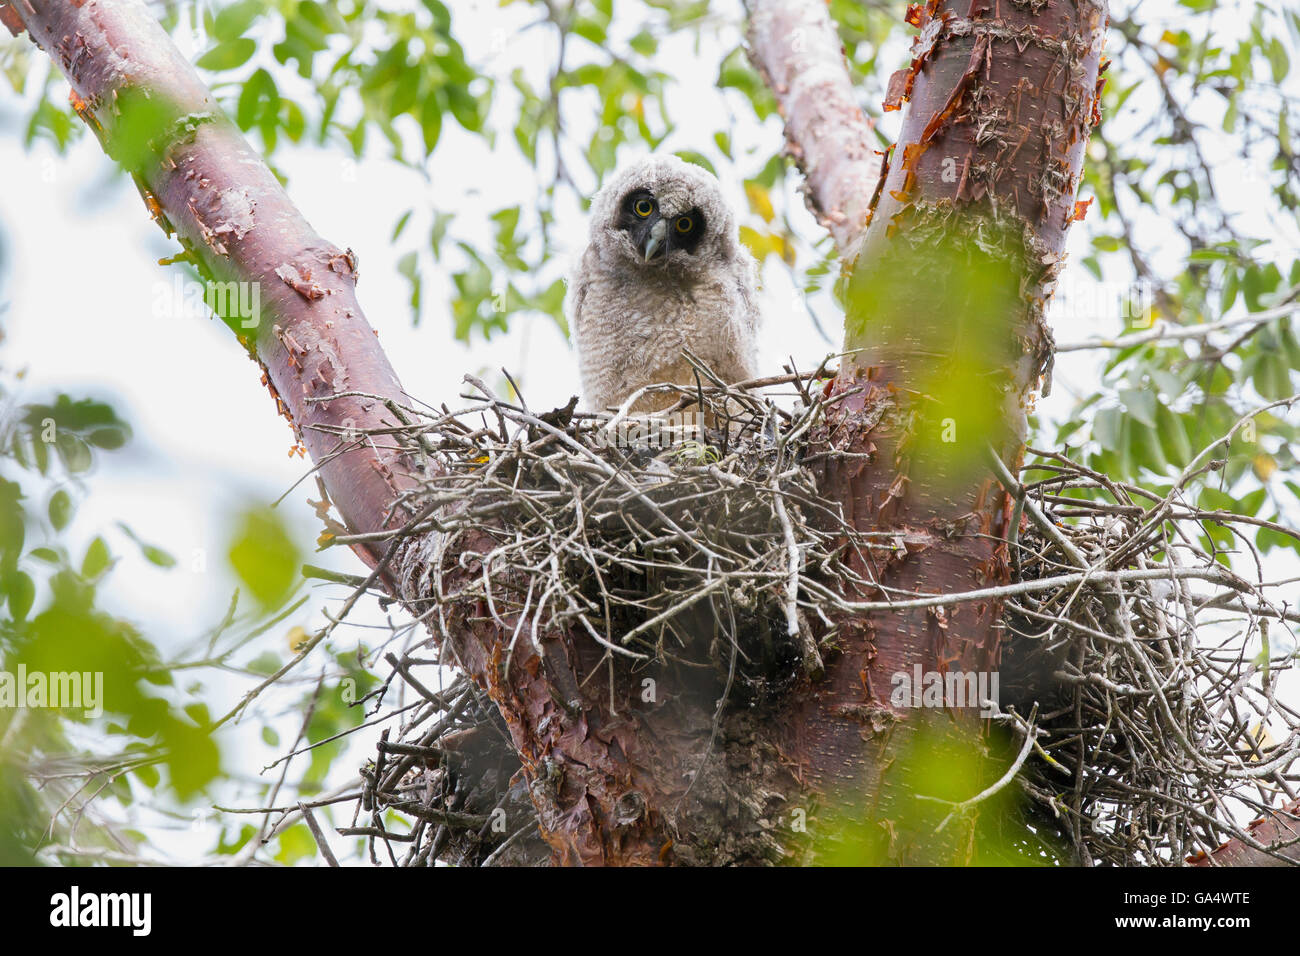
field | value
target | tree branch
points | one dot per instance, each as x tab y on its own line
793	43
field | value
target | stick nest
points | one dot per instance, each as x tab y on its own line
634	529
1145	701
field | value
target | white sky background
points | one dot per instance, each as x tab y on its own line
83	281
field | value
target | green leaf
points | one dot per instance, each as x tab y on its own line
1140	403
73	452
258	101
60	509
227	55
1173	436
405	91
441	223
1212	499
156	555
401	224
22	592
468	110
192	757
441	15
152	554
1107	426
41	455
148	775
1267	539
1169	383
97	559
266	663
1272	377
430	122
1146	447
591	30
232	21
1278	61
296	843
109	439
1251	503
409	266
264	557
699	159
1231	284
644	43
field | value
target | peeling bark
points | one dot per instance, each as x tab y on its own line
616	778
1278	831
955	268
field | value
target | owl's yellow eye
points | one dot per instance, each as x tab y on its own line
684	224
643	208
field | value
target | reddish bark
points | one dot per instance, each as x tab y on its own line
610	784
1002	98
980	191
1278	830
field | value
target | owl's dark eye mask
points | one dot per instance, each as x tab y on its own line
639	215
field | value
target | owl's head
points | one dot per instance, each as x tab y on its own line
664	214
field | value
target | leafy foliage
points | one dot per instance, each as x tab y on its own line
1180	90
141	731
53	623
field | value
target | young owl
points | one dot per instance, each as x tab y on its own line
664	271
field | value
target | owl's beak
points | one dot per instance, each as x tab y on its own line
655	239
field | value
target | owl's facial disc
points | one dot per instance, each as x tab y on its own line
655	235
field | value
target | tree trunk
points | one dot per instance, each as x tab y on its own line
947	337
945	310
1276	837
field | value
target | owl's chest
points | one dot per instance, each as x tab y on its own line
656	317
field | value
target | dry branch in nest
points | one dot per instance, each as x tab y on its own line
1161	732
697	538
635	529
